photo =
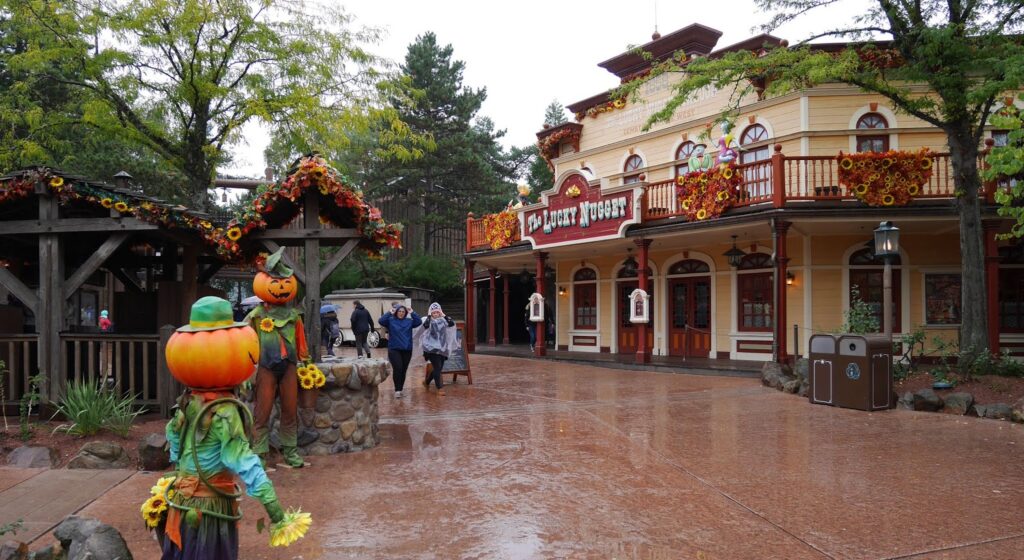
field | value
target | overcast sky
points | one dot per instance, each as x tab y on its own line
530	52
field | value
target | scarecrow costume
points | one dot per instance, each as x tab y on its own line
196	509
282	346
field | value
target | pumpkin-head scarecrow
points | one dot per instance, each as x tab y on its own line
195	509
282	346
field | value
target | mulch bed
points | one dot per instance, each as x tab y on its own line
986	389
68	446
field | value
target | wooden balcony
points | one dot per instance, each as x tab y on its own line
777	182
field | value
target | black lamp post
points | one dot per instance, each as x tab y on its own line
735	255
629	266
887	246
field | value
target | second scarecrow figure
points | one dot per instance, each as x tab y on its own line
282	348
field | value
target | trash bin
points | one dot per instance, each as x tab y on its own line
851	371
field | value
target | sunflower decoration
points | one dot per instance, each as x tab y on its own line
267	324
107	202
57	181
706	194
290	529
154	509
307	383
120	206
234	233
890	178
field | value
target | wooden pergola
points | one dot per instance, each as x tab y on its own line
59	231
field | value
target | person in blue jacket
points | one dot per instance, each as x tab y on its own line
400	322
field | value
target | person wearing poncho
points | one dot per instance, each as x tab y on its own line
209	445
282	346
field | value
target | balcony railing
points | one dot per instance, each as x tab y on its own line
775	182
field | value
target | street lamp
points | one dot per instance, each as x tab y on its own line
735	255
629	266
887	246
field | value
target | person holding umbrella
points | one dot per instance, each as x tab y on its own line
329	329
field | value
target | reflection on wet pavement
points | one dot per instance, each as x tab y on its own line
554	460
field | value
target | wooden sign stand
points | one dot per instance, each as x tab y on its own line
458	363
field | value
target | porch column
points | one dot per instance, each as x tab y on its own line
539	349
470	333
504	292
991	228
50	309
491	307
779	230
643	355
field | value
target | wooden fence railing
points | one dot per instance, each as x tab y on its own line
128	363
20	354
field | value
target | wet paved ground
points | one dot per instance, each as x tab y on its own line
556	460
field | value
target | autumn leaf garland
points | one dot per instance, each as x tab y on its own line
890	178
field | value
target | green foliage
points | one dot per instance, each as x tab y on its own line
554	115
441	274
12	528
179	79
91	407
28	400
860	317
1006	165
911	346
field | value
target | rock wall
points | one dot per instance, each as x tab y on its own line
344	416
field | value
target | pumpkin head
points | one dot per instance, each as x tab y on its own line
212	351
273	289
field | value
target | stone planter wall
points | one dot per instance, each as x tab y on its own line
344	417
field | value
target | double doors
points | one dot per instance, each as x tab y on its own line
689	316
629	333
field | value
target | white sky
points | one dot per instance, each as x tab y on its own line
530	52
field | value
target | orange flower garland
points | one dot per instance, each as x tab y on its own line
706	194
890	178
501	229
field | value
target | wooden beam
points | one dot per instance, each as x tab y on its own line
24	294
310	216
128	281
336	258
300	274
209	271
94	262
74	225
305	233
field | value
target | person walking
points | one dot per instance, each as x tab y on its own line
436	340
328	329
362	323
531	327
400	322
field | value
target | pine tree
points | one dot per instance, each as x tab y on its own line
555	114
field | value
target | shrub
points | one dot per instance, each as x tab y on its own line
860	317
91	408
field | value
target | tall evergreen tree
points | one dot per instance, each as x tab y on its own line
467	171
554	115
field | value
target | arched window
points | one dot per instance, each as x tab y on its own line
754	292
584	299
866	278
872	142
632	169
757	177
689	266
687	149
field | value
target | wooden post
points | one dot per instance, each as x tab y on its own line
778	177
643	355
167	387
504	292
991	228
469	234
189	276
311	219
491	307
540	348
779	230
470	333
50	319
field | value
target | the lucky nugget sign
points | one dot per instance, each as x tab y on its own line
578	213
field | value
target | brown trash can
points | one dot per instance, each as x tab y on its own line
851	371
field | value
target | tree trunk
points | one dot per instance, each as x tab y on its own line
963	148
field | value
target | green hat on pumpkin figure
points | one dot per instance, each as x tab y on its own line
212	351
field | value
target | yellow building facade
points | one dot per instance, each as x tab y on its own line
798	236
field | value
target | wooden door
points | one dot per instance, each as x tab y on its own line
689	312
629	333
